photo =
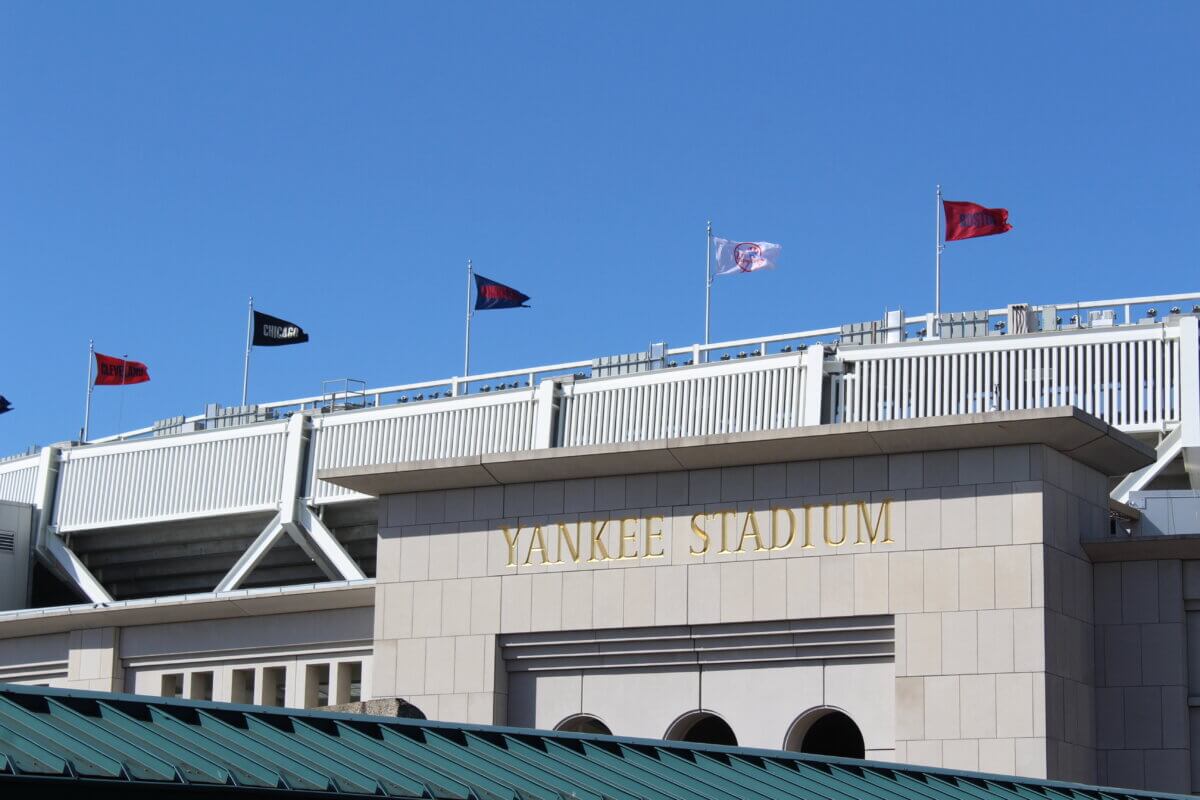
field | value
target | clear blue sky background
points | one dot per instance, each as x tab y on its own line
161	162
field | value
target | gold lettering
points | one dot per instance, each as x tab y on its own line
791	516
652	535
751	525
701	534
724	515
564	535
885	517
597	542
826	508
512	544
537	542
807	527
627	536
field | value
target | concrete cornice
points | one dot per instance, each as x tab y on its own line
188	608
1066	429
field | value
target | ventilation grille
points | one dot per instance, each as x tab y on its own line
6	542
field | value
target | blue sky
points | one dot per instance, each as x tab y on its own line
161	162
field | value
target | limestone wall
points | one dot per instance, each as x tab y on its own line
952	545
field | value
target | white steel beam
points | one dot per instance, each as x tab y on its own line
68	565
340	564
253	555
1168	450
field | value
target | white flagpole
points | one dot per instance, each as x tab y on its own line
938	247
87	409
246	362
708	281
467	347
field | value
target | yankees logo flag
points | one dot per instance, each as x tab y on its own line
492	295
5	406
734	258
111	371
273	332
968	220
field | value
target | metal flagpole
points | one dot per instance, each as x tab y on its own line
467	348
708	280
246	362
939	246
87	409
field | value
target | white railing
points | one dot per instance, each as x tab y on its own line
18	480
465	426
726	397
1126	376
211	473
529	377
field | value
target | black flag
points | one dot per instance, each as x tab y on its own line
272	331
4	404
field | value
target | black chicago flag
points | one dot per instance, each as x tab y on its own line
272	331
4	404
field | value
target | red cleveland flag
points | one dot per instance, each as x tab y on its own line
968	220
112	371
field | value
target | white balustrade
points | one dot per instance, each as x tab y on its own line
18	480
212	473
727	397
1127	376
450	428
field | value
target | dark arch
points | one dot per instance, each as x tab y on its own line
583	723
408	710
826	732
702	727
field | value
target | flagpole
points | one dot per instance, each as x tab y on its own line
938	247
707	284
87	409
467	347
246	361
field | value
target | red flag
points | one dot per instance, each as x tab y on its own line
112	371
968	220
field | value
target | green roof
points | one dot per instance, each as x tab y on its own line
110	745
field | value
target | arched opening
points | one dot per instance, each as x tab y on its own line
702	727
583	723
826	732
408	710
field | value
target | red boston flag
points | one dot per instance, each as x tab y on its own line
968	220
112	371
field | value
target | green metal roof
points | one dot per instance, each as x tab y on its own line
122	745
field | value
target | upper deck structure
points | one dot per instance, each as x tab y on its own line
252	497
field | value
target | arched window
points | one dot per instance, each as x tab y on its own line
702	727
825	732
583	723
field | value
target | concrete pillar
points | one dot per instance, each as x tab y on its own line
93	660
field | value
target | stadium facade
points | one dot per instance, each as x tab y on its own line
978	551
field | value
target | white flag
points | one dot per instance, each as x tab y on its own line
735	257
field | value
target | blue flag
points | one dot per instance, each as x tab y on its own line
490	294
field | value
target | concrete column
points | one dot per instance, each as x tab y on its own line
545	414
93	660
814	382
